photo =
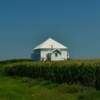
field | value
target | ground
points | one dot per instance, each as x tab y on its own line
17	88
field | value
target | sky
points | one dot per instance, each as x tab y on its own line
26	23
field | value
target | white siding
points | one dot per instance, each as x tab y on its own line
44	54
63	56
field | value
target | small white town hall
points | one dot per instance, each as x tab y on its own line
50	50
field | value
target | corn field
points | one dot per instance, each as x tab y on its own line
84	72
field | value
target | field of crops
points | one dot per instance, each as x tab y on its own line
84	72
67	80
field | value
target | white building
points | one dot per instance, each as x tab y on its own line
50	50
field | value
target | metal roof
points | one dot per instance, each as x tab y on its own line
50	43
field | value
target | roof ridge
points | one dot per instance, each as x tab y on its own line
49	42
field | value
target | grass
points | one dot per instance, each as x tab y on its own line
23	88
17	88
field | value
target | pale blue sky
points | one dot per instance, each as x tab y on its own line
25	23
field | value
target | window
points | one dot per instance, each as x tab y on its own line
56	54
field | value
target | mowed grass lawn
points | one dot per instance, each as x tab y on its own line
18	88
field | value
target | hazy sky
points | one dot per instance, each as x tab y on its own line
25	23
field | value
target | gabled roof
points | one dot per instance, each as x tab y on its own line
50	43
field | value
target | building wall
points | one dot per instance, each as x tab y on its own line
36	55
63	56
44	54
